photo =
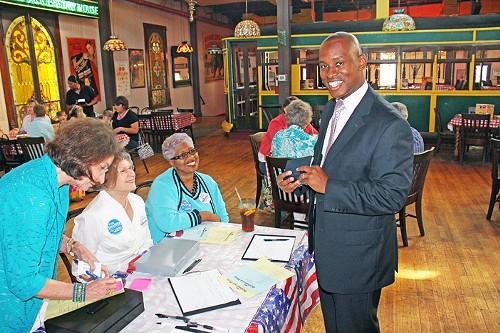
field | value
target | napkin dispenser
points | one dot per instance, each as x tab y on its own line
167	257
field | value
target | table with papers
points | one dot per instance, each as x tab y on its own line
282	308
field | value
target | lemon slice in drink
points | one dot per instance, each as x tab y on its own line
249	212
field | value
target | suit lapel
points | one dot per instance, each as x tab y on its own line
354	123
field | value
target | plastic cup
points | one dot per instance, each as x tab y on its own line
246	208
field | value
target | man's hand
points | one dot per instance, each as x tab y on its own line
288	185
314	177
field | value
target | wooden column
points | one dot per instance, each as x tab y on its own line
284	49
108	68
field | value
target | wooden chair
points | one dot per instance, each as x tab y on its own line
255	140
135	109
475	131
134	152
443	137
32	147
146	126
143	188
12	154
495	172
68	230
162	127
421	164
283	201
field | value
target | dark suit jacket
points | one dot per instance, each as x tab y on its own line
352	226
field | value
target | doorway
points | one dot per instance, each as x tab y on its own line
246	95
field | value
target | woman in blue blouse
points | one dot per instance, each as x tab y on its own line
35	201
293	142
180	197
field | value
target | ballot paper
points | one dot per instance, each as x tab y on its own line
199	292
256	277
273	247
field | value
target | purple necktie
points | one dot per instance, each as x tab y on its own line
339	108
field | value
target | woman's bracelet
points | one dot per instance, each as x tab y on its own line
79	291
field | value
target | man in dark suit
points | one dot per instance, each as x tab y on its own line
360	177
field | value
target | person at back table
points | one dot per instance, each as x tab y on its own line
80	94
181	197
276	124
125	121
418	141
28	119
361	173
114	226
40	127
294	142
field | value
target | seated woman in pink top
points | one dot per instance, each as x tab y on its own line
277	124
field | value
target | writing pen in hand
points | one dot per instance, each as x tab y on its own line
276	239
190	267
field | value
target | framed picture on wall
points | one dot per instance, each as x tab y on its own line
136	67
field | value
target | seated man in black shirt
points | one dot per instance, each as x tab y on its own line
82	95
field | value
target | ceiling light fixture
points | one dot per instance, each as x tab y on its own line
113	43
191	9
399	21
247	28
184	47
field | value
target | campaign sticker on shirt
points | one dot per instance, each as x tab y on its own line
204	197
115	227
186	206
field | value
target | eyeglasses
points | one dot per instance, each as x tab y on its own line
182	156
124	171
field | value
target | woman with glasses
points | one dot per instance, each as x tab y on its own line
114	226
180	197
34	203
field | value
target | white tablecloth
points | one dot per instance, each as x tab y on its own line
159	298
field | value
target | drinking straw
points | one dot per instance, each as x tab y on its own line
238	194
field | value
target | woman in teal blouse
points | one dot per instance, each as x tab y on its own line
35	201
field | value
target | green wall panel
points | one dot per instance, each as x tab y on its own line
451	105
418	110
488	35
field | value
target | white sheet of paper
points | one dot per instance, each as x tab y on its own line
272	247
201	290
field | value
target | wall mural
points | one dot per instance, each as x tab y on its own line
84	62
156	59
214	64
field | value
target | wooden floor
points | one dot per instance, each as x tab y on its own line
448	280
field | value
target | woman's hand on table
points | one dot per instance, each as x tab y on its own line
82	253
100	288
209	216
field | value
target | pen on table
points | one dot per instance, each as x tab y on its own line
190	267
184	319
276	239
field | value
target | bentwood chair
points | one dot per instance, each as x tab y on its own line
11	153
134	108
421	164
68	230
32	147
163	127
142	189
443	137
475	131
495	173
283	201
255	140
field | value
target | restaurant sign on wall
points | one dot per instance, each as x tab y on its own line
87	8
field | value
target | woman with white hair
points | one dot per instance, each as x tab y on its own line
181	197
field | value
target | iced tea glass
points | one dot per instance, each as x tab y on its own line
246	208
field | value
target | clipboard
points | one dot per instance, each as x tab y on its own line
208	290
276	248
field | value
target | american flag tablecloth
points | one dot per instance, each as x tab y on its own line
287	305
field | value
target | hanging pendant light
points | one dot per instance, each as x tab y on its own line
184	47
114	43
247	28
399	21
